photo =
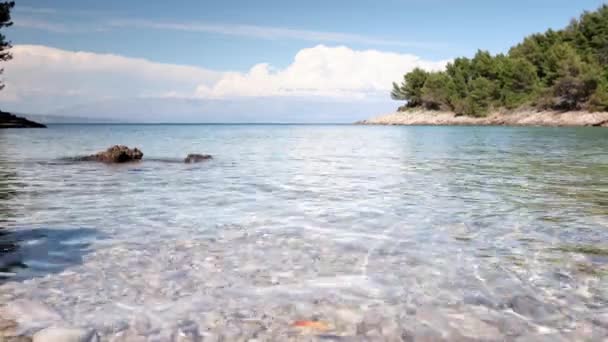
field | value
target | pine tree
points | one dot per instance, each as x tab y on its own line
5	21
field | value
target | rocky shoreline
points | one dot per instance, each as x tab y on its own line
520	118
8	120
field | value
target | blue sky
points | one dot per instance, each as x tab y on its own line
230	38
435	29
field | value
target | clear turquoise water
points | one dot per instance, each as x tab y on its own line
451	232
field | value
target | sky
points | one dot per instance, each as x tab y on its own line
237	60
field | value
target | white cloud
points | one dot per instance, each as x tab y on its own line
81	20
48	11
78	20
43	79
36	10
41	24
322	71
65	21
267	32
56	27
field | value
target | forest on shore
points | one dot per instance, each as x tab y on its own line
562	70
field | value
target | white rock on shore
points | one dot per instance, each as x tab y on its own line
519	118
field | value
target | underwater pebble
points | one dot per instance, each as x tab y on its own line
530	307
66	335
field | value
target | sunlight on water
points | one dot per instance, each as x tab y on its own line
385	232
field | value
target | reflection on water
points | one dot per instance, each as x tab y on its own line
26	253
7	193
8	183
386	232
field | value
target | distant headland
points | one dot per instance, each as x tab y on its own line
557	78
8	120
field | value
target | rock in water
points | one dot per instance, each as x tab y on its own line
66	335
116	154
196	158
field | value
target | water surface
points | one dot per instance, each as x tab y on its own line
383	232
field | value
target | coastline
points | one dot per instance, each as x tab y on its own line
518	118
8	120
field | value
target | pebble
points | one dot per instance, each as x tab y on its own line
542	338
530	307
8	332
469	326
601	320
479	300
127	336
30	311
66	335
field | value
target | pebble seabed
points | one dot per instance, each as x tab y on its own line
289	285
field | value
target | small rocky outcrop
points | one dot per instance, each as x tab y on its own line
196	158
116	154
8	120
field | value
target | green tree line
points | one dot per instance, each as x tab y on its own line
557	70
5	21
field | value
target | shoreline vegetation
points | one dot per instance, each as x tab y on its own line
549	79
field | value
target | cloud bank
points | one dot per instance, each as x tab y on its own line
77	21
42	79
322	71
265	32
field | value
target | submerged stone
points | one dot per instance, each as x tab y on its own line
531	307
196	158
66	335
25	310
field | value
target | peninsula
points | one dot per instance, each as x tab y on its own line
557	78
8	120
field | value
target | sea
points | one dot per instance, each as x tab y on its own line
307	232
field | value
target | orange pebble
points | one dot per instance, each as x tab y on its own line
311	324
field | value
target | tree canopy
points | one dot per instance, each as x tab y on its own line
5	21
558	70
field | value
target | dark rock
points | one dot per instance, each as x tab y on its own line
8	120
196	158
479	300
530	307
116	154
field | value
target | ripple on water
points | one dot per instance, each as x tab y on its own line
448	233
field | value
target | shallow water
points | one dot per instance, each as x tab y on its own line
382	233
